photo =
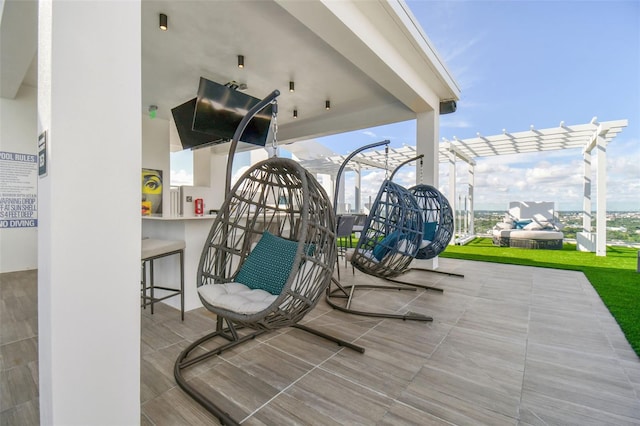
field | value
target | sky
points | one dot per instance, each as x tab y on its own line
523	63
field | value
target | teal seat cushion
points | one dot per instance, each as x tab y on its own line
269	264
429	231
387	243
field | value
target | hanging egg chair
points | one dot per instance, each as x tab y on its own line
267	259
437	219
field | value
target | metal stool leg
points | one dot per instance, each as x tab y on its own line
182	284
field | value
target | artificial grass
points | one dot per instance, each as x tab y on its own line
613	276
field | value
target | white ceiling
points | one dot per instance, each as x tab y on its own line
317	49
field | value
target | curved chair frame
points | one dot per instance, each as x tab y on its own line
436	209
279	196
394	210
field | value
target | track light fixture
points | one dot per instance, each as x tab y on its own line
163	22
295	113
292	87
327	104
240	61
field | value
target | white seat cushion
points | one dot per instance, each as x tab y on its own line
366	253
537	235
152	247
236	297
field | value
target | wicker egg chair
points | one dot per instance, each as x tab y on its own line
437	220
266	262
391	234
388	243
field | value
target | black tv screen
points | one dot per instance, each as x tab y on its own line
219	110
183	117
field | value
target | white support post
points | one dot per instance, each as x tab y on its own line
358	194
601	198
89	230
586	198
471	211
427	125
427	136
452	193
341	202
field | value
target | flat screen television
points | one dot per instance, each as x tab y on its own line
183	117
219	110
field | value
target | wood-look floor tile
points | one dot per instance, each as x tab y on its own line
343	401
176	408
609	366
388	372
540	409
17	386
158	336
234	390
491	395
587	388
404	415
498	365
153	382
18	353
494	317
274	367
565	331
447	307
24	414
449	398
305	346
285	410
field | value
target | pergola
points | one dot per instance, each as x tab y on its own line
593	135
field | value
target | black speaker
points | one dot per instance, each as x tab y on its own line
447	107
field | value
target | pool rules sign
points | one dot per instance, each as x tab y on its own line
18	190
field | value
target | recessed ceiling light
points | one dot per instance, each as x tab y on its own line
163	22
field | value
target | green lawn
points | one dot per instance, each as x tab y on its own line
614	277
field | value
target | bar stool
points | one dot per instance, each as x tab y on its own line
154	249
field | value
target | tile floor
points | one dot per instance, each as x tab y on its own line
508	345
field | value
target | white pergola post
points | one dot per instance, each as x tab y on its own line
471	187
586	198
341	202
358	194
601	197
452	193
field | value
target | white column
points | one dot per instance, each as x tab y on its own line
427	136
452	193
586	198
601	198
472	176
427	129
89	102
358	194
202	167
341	201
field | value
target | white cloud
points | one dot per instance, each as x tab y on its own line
181	177
370	134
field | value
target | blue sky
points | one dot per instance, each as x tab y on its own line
523	63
